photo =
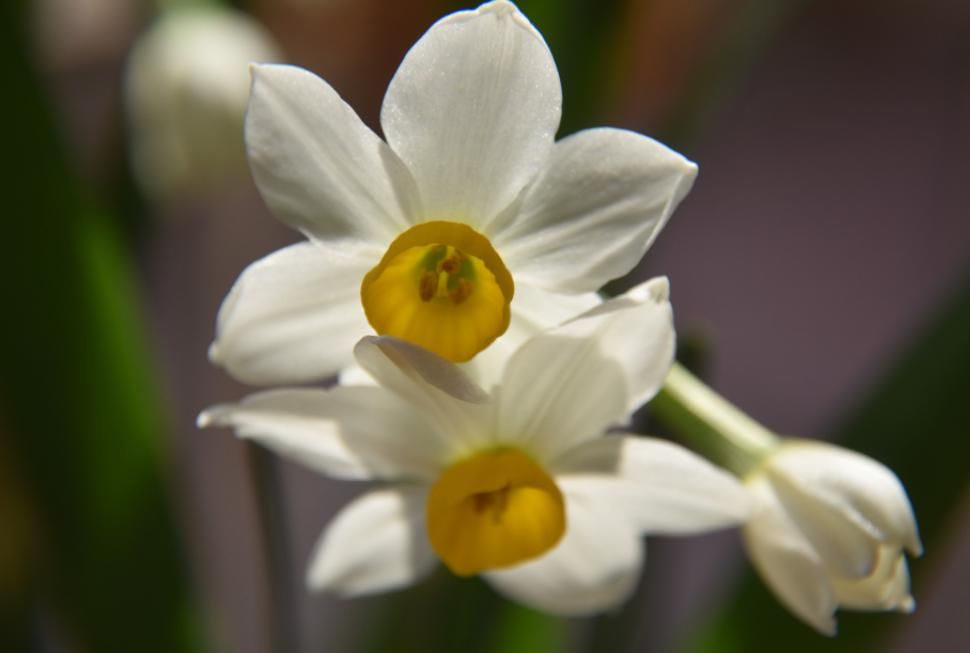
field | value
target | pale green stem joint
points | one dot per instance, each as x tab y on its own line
710	424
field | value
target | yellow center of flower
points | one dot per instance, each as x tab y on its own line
494	510
440	285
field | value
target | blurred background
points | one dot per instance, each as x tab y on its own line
820	274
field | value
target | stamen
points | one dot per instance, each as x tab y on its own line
428	286
496	509
492	504
462	289
451	264
442	286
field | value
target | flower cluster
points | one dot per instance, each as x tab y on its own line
449	278
518	484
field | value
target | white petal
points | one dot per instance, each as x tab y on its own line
662	488
861	487
436	388
787	562
473	110
635	330
536	310
846	546
533	312
569	384
595	567
387	358
375	544
887	588
294	315
345	432
319	168
355	375
594	210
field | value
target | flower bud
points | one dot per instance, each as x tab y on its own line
187	86
829	531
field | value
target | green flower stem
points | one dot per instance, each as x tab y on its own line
710	424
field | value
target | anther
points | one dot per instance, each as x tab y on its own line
450	264
462	289
428	286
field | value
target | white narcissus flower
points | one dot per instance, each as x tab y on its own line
186	89
520	484
829	532
469	225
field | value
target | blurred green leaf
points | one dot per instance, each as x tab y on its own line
523	630
77	397
446	613
916	423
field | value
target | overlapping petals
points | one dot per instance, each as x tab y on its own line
615	487
470	119
830	531
558	408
